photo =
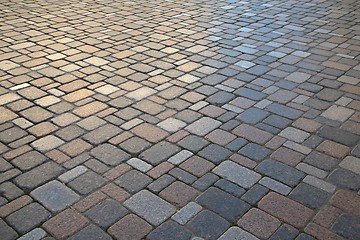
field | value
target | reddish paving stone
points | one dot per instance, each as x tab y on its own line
117	171
149	132
347	201
252	134
179	193
286	209
130	227
333	149
197	166
115	192
160	169
259	223
321	233
65	224
327	216
89	201
287	156
14	205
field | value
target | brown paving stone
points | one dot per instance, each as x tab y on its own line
130	227
89	109
259	223
321	233
287	156
75	147
252	134
89	201
179	194
333	149
327	216
115	192
14	205
65	224
286	209
306	124
42	129
160	169
347	201
197	166
149	132
117	171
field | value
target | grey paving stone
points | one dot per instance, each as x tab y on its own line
205	181
253	115
351	163
321	161
285	232
159	152
4	165
91	232
133	181
213	79
309	196
348	226
254	194
150	207
186	213
284	111
161	183
236	144
345	179
215	153
28	217
277	121
236	233
220	98
188	116
135	145
294	134
255	152
275	185
339	135
139	164
319	183
203	126
6	232
72	174
36	234
168	231
250	94
102	134
106	213
38	175
87	182
182	175
29	160
55	196
237	174
304	236
281	172
223	203
193	143
109	154
208	225
230	187
10	190
180	157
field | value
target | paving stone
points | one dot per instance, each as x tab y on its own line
284	111
65	224
285	232
130	227
321	161
347	226
197	166
215	153
161	183
149	132
237	174
55	196
351	163
72	174
319	183
6	115
150	207
139	164
345	179
252	134
230	187
35	234
186	213
285	209
294	134
87	182
255	152
309	196
109	154
249	93
281	172
178	194
182	175
28	217
253	115
10	190
38	175
222	203
169	230
208	225
106	213
91	232
203	126
159	152
7	233
205	181
172	125
338	135
180	157
337	113
259	223
133	181
193	143
237	233
47	143
304	236
275	185
102	134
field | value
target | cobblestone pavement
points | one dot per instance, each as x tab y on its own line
199	119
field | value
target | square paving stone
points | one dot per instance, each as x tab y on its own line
237	174
255	152
38	175
87	182
259	223
168	231
280	172
159	152
29	160
215	153
149	132
109	154
193	143
253	115
106	213
197	166
203	126
223	203
133	181
65	224
55	196
310	196
91	232
179	194
150	207
286	209
348	226
6	232
130	227
28	217
208	225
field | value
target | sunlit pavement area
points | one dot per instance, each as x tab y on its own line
192	119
